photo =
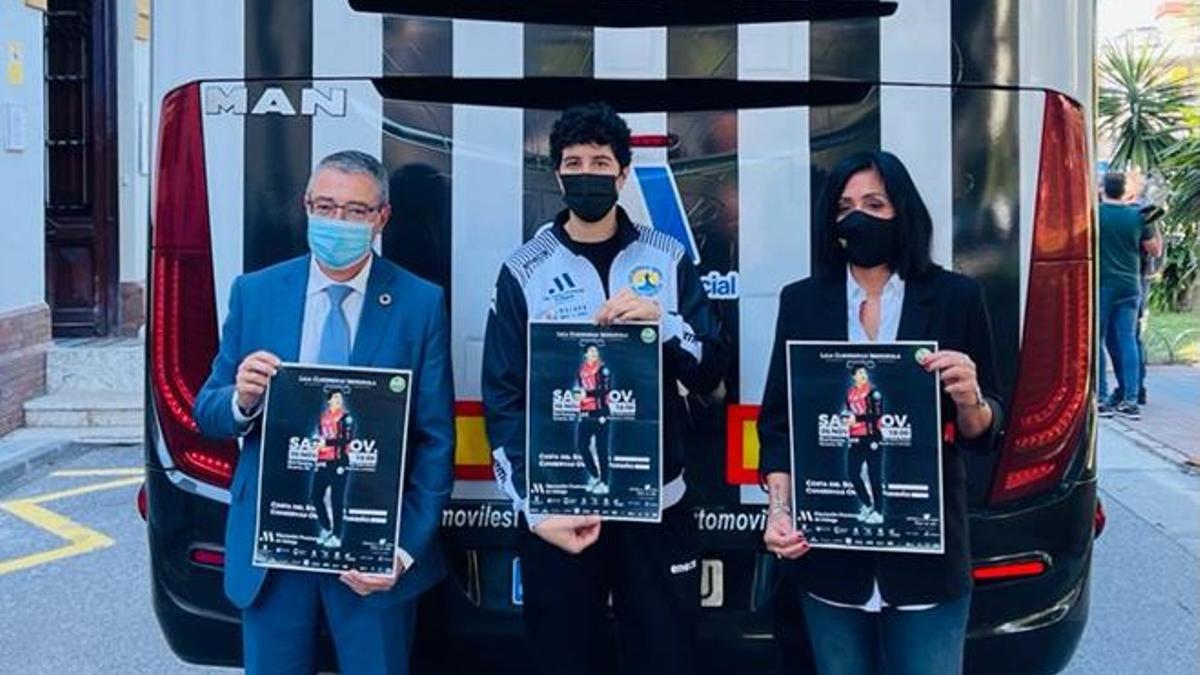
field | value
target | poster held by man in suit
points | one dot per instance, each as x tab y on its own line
332	462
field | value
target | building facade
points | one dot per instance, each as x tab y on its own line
74	171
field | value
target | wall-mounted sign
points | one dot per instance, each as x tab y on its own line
15	63
142	23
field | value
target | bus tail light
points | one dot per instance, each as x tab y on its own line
206	556
1051	400
1008	569
143	503
183	311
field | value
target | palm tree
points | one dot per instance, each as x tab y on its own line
1141	105
1182	167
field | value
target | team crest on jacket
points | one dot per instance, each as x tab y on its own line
646	281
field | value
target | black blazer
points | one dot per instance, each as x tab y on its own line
942	306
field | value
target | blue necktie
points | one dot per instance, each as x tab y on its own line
335	336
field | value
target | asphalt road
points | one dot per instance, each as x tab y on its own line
85	608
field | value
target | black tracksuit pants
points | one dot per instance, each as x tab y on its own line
653	574
585	429
329	476
860	452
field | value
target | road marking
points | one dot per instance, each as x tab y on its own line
97	472
74	492
79	539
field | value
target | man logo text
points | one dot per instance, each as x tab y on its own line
235	100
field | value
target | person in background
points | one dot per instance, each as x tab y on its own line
1152	265
1124	237
1151	270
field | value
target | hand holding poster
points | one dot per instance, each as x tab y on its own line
331	468
866	446
593	420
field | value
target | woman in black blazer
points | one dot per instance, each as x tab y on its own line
875	281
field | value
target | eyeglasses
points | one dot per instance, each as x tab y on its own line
356	211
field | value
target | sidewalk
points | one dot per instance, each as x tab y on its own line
28	449
1170	424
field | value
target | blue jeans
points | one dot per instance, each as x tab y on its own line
1142	320
1118	328
849	641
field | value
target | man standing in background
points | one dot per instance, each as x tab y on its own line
1124	237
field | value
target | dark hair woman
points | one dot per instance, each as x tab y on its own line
873	612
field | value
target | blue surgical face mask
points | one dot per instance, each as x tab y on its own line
338	244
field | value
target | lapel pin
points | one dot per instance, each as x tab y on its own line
385	299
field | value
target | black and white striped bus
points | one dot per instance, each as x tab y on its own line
738	109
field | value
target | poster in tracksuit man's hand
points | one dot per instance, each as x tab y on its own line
573	534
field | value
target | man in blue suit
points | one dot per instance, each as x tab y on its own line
341	305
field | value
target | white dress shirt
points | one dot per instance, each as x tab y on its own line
316	309
891	304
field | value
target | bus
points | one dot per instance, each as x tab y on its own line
738	110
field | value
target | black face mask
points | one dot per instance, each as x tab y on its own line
867	240
589	195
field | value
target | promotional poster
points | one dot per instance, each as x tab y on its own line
866	446
593	420
331	468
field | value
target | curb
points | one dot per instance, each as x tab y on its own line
24	454
26	460
1183	460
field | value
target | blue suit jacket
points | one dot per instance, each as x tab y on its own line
266	311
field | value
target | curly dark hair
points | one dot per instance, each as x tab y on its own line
595	123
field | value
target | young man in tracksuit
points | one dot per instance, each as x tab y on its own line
586	266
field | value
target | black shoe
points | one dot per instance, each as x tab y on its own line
1129	411
1104	409
1142	396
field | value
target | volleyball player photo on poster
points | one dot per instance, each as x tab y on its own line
594	420
331	469
866	438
